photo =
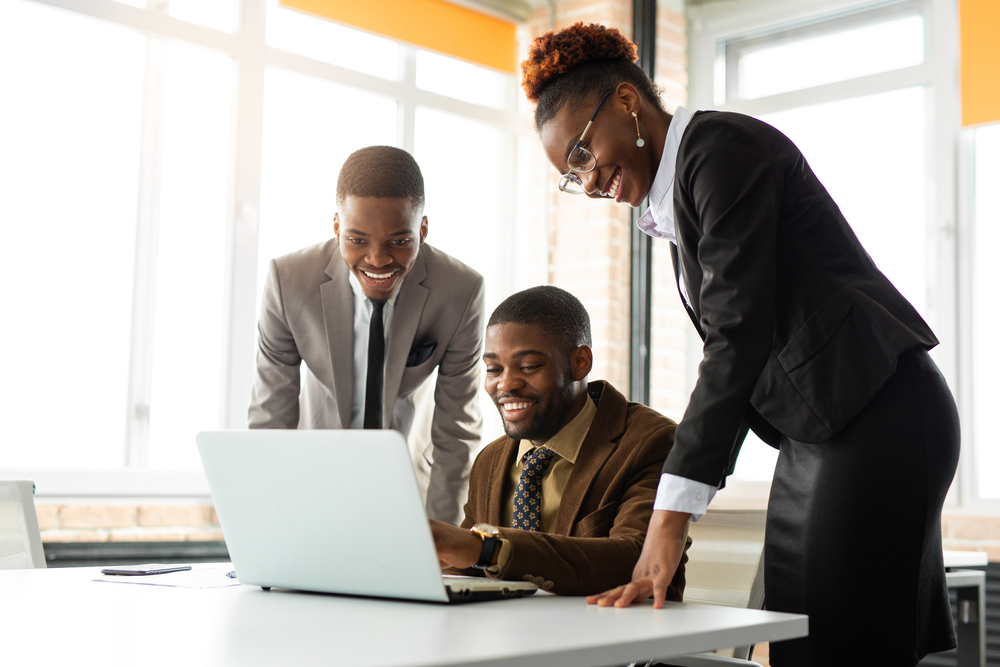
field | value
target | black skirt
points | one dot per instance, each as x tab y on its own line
854	529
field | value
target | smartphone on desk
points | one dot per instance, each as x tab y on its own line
144	570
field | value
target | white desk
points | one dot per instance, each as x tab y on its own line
59	616
965	559
970	587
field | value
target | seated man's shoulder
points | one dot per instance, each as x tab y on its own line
643	416
642	435
648	434
633	415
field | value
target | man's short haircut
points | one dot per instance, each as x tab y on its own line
558	312
381	171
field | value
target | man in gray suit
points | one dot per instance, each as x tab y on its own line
318	306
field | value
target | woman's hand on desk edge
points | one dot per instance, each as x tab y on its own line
661	554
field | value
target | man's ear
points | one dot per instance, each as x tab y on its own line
336	226
582	362
423	229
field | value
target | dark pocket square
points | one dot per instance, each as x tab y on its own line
421	353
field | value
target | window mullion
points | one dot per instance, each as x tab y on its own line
964	489
408	103
918	75
144	285
242	236
153	21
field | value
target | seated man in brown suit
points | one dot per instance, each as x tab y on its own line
563	500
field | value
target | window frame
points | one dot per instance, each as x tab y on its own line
949	153
252	56
967	478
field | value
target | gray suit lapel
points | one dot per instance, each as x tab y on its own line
338	314
405	319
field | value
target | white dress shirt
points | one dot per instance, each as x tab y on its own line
362	320
678	494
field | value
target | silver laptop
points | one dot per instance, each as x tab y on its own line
332	512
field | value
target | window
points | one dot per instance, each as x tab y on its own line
68	199
856	86
468	204
884	199
461	80
328	42
186	277
311	125
833	49
985	315
154	159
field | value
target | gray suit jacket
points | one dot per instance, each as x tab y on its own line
308	315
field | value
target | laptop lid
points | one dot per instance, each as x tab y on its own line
328	511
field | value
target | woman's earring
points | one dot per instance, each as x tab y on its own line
638	142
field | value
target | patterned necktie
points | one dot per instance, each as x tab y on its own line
528	497
376	367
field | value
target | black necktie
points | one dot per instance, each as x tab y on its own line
376	367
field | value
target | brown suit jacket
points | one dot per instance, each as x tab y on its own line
605	508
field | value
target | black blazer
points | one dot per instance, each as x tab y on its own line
801	329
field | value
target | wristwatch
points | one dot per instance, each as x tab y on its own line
491	538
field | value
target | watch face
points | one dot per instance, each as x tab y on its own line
486	530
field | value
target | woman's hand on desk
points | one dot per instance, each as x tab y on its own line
456	547
661	554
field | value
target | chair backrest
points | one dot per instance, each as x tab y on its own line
20	539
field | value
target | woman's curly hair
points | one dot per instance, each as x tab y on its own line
574	64
555	53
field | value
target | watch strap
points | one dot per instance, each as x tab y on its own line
490	545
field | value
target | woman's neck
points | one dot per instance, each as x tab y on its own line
658	135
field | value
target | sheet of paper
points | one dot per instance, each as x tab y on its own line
199	576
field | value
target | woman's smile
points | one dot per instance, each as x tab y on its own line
613	189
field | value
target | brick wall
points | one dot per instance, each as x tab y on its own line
972	533
588	242
82	522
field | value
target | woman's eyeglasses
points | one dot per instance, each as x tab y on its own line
580	160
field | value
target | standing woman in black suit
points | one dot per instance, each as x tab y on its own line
805	342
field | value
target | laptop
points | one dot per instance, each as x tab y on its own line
331	512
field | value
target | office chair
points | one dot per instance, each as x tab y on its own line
725	567
20	539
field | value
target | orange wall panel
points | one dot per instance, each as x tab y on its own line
432	24
979	60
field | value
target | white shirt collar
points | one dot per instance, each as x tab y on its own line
658	220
